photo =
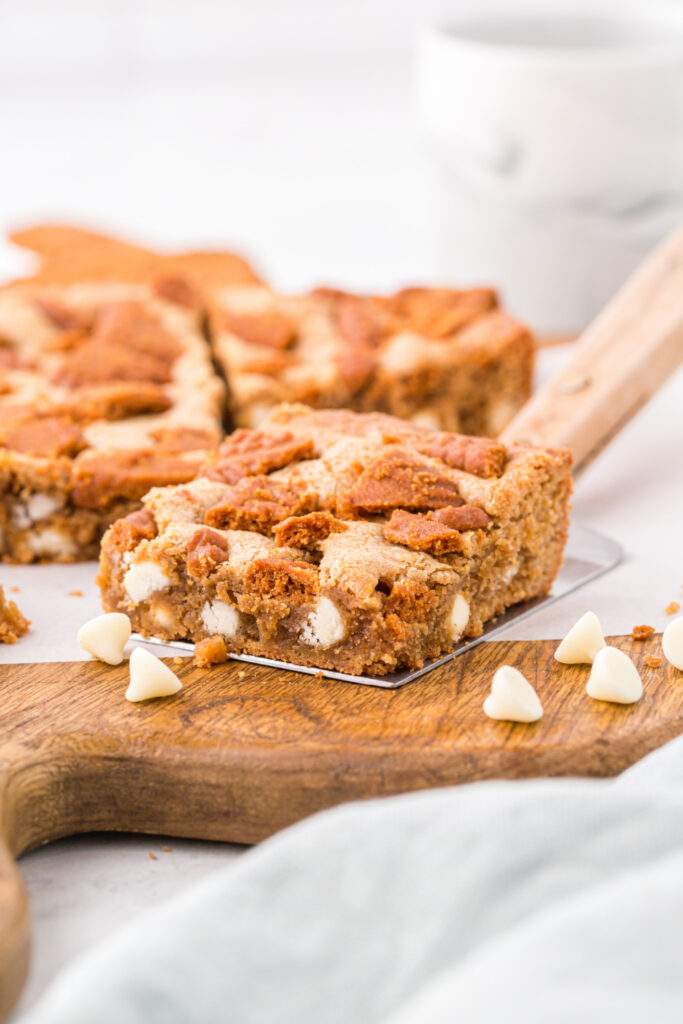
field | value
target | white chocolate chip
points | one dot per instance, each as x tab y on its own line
324	626
105	637
143	579
51	542
672	642
582	642
40	506
512	697
220	617
458	617
149	677
614	678
426	417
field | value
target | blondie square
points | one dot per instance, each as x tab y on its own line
359	543
443	358
105	391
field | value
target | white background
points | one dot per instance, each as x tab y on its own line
288	130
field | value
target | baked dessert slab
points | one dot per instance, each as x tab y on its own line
105	391
443	358
358	543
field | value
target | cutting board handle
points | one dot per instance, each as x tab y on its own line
14	921
617	364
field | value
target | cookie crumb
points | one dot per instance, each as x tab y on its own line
241	674
152	855
177	661
642	632
166	849
15	590
211	651
75	593
652	661
13	624
672	608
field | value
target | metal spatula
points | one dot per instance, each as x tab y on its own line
617	365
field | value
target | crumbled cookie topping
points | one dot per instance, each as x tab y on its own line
253	452
259	503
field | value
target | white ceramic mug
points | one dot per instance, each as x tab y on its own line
558	138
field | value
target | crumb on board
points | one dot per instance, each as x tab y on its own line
642	632
152	855
167	849
672	608
241	674
210	651
177	661
12	623
75	593
652	661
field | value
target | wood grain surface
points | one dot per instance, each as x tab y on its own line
244	750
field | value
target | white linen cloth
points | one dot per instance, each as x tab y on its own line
538	901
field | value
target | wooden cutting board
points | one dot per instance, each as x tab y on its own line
244	751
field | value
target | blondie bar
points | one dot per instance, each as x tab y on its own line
443	358
105	391
360	543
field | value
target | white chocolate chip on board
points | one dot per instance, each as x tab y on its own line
582	642
149	677
512	697
614	678
672	643
105	637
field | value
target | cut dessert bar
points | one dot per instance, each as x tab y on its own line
105	391
443	358
359	543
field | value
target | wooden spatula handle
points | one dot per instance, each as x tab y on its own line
617	364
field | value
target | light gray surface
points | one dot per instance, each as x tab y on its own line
84	889
553	900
